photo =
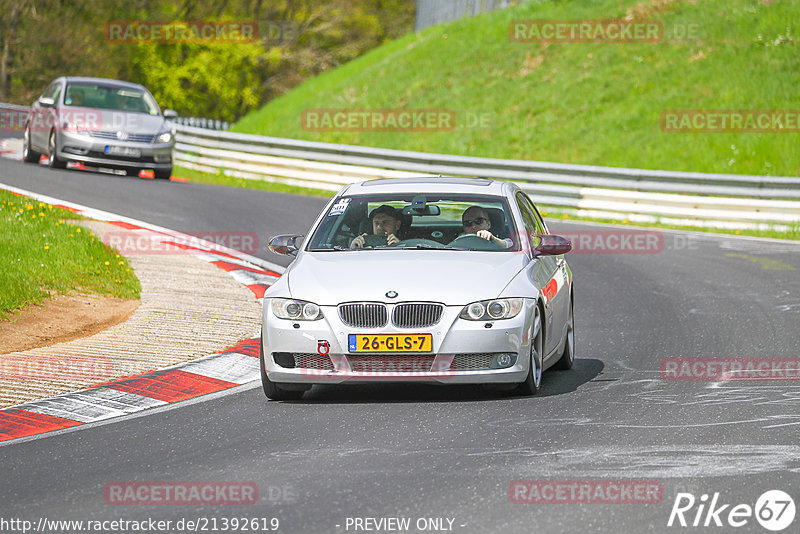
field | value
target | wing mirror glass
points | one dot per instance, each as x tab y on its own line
284	244
550	245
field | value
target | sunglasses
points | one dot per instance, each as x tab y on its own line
478	220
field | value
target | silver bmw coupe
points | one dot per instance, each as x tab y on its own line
435	280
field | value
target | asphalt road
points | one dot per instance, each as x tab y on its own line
452	452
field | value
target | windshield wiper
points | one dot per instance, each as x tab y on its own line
423	246
327	249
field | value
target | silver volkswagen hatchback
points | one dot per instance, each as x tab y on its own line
438	280
102	123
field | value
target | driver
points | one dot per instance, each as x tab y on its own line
76	97
476	221
387	221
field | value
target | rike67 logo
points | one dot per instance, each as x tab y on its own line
774	510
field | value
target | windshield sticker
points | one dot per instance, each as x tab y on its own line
339	207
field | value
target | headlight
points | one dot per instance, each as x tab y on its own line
165	137
295	310
490	310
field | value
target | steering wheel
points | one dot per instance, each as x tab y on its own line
375	240
472	241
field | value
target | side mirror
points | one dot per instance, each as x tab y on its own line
47	102
284	244
550	245
170	114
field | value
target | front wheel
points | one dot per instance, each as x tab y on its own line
534	379
163	175
28	154
52	155
271	389
568	356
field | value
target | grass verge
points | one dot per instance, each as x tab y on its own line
44	252
588	103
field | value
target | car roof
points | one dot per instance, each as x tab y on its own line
430	184
76	79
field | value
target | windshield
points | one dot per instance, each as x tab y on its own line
92	95
417	222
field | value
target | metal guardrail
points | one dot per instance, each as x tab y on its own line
721	200
198	122
12	120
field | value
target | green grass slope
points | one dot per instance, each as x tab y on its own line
589	103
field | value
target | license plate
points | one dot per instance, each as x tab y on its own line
123	151
390	342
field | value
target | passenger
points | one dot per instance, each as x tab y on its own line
387	221
476	221
76	97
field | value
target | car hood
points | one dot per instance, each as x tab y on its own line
115	121
450	277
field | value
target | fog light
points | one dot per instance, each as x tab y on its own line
503	360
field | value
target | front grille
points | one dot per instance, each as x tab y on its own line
103	155
417	315
312	361
470	362
134	138
363	315
391	363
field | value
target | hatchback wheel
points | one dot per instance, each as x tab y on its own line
28	154
52	155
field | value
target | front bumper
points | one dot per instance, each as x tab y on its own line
83	148
324	345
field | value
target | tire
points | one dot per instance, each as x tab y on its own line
568	356
272	390
28	154
52	155
163	175
534	379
